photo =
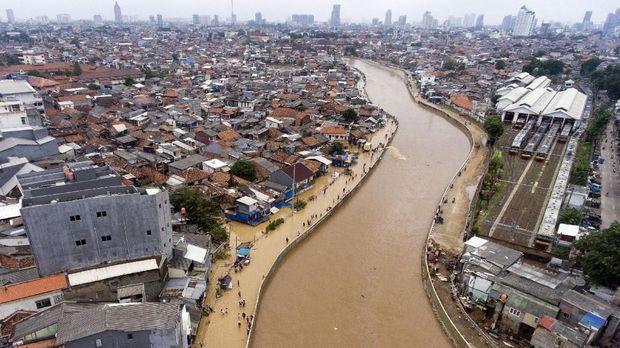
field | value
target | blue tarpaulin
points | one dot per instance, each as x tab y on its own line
243	252
592	321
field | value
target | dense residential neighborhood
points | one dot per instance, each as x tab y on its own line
130	152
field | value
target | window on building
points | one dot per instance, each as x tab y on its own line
515	312
130	336
80	242
98	342
106	238
102	213
46	302
23	120
74	218
148	232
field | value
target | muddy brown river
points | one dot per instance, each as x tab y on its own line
356	281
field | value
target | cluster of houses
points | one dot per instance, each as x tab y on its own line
105	123
544	305
463	68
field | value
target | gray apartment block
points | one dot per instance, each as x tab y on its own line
82	215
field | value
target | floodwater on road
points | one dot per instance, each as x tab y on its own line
356	281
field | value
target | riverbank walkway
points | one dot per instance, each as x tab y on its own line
226	325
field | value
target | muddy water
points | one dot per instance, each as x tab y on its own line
356	282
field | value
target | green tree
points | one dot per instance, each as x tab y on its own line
77	70
93	86
244	169
589	66
350	115
129	82
148	73
336	148
570	216
600	256
500	64
200	211
494	127
350	51
539	67
9	59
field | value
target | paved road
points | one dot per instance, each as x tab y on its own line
610	200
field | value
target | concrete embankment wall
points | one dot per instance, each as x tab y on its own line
289	247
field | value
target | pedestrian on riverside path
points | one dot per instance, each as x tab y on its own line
243	315
239	324
239	294
286	240
238	283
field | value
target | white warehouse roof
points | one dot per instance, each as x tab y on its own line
567	104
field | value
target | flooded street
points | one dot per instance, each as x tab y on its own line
356	281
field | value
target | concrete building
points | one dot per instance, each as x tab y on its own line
10	16
402	21
388	18
524	23
427	20
139	325
82	216
20	90
469	20
508	23
195	19
31	293
118	15
586	24
335	18
480	21
612	21
302	20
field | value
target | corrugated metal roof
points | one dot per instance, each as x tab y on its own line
101	273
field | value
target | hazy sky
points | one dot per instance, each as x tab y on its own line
352	10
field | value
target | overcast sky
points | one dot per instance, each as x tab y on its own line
352	10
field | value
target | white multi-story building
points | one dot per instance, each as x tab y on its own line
31	57
22	91
525	23
12	114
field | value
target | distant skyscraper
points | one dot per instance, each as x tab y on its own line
335	19
375	21
612	21
525	23
258	18
469	20
63	18
480	21
97	19
216	20
388	18
428	21
152	19
160	20
118	15
195	19
508	23
402	21
303	20
586	24
10	15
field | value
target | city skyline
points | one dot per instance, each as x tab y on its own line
351	11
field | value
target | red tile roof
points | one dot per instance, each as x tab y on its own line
32	288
